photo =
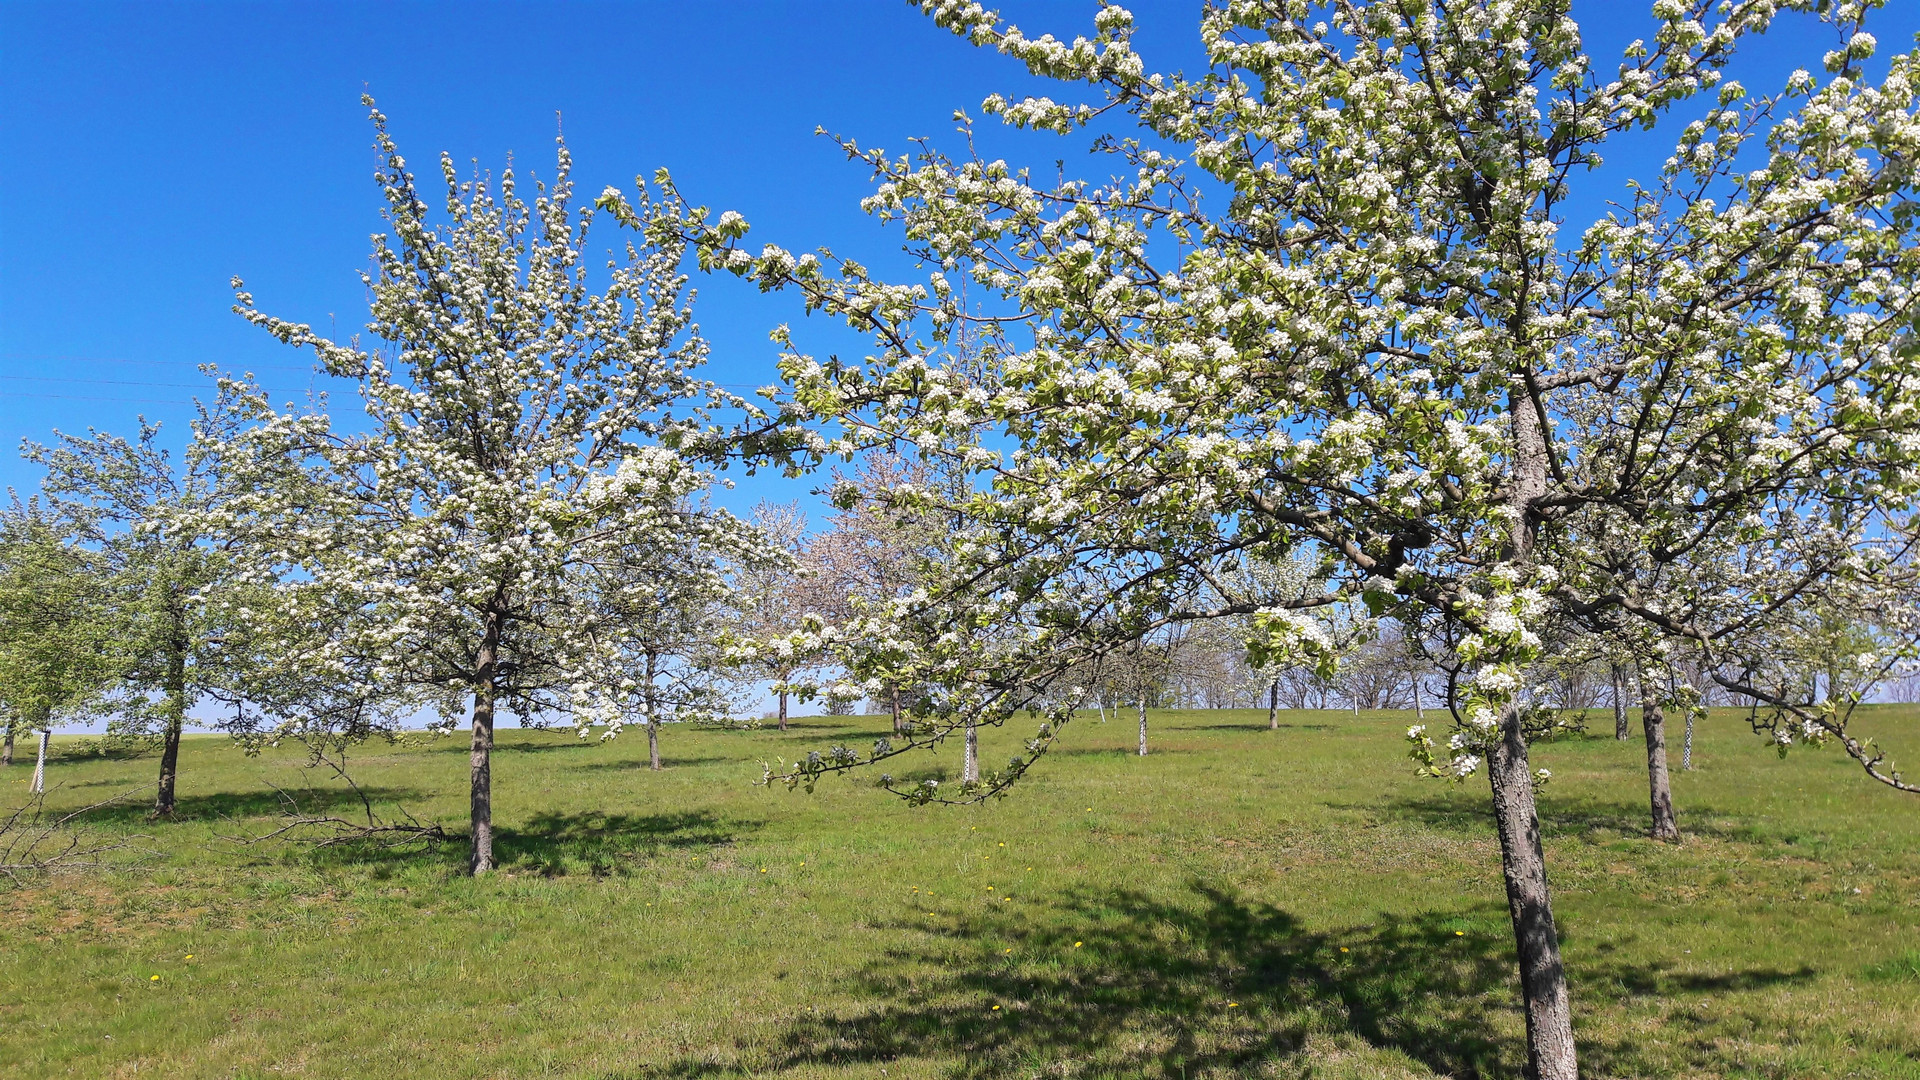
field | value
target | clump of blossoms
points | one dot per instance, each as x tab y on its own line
530	446
1378	342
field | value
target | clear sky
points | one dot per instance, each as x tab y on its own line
151	151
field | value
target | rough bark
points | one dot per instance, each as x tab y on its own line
1621	725
1143	727
480	760
653	744
6	751
783	706
1273	706
1543	978
896	709
1659	786
970	767
176	713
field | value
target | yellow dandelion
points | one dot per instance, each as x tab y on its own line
989	888
1003	843
1009	950
1233	1004
996	1008
189	956
153	978
1459	933
1077	944
1343	948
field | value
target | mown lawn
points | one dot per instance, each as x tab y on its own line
1240	903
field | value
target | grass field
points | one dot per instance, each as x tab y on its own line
1240	903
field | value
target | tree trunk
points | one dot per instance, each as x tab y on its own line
783	705
6	751
1143	725
1620	722
970	766
1273	706
1543	979
1686	746
896	709
176	713
40	765
653	713
480	760
1658	785
1419	710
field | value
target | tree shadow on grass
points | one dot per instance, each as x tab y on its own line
667	761
1562	816
608	844
1206	984
1252	725
335	800
1119	751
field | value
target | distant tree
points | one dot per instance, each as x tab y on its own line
784	607
520	433
666	601
57	646
144	516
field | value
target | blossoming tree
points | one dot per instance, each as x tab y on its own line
1330	302
519	440
143	515
57	648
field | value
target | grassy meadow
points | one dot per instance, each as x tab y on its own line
1241	903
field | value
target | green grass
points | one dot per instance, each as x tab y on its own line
1240	903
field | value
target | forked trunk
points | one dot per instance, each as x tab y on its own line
1659	787
1273	706
1143	726
176	711
480	760
970	767
1620	723
1543	979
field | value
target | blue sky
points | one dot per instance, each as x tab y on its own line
151	151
